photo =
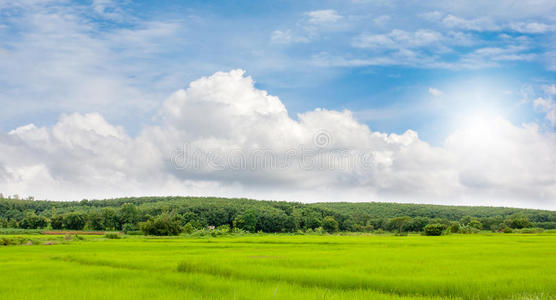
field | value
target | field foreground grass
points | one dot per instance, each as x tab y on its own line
480	266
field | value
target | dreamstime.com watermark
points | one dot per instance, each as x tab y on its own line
317	156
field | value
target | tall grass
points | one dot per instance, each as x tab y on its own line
483	266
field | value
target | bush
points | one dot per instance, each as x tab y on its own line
545	225
476	224
188	228
468	229
433	229
163	224
363	228
128	227
531	230
247	221
399	224
33	221
75	221
507	230
517	222
57	222
223	228
454	227
112	235
329	224
320	230
134	232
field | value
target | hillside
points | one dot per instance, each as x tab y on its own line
256	215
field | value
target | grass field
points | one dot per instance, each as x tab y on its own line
480	266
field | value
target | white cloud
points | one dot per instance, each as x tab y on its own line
398	39
228	125
108	9
61	61
548	106
435	92
487	23
480	24
550	90
532	27
325	16
382	20
310	28
286	37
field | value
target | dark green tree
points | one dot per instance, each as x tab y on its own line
434	229
128	213
163	224
329	224
75	221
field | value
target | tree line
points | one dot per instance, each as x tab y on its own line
172	215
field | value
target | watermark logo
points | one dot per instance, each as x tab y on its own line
322	138
318	156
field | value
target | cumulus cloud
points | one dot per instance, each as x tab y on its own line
222	136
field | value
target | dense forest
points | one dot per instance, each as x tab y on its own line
172	215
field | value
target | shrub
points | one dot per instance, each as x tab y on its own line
223	228
476	224
33	221
96	221
188	228
134	232
468	229
399	224
247	221
112	235
433	229
75	221
363	228
545	225
517	222
57	222
163	224
128	227
454	227
507	230
329	224
531	230
320	230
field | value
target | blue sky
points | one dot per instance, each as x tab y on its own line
361	55
424	66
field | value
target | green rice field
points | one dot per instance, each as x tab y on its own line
476	266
